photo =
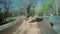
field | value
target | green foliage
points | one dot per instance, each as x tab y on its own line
2	18
7	21
59	11
30	11
40	14
10	20
48	6
45	6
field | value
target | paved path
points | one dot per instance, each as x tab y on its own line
30	28
35	28
24	27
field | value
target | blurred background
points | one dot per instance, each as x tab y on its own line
34	8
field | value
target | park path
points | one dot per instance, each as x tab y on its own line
24	27
35	28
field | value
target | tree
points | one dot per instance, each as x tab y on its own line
32	12
6	12
59	11
48	6
28	11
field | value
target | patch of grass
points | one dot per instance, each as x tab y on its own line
10	20
7	21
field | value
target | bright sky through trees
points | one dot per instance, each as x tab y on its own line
17	4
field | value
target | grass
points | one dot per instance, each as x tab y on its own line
7	21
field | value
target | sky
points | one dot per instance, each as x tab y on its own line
17	4
44	1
